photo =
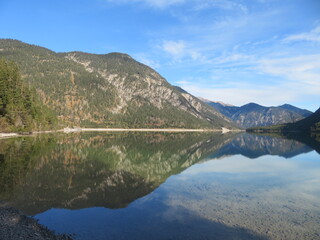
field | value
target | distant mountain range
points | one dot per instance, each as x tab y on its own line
306	125
107	90
252	114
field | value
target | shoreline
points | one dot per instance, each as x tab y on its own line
16	225
76	129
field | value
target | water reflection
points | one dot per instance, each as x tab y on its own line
87	170
276	197
165	186
254	146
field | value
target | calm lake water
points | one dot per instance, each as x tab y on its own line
165	186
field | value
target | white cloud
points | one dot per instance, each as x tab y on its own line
174	48
302	72
313	36
234	59
179	50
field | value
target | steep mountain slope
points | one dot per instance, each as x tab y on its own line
111	90
252	114
311	123
144	95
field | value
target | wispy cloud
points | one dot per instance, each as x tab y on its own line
303	72
151	3
237	52
178	50
292	79
175	48
195	5
222	4
313	36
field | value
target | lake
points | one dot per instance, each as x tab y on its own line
165	185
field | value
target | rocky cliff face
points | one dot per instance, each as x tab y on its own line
139	86
111	90
252	115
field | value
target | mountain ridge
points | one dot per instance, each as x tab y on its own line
107	90
253	114
303	112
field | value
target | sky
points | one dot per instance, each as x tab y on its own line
234	51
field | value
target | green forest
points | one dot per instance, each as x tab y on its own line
20	109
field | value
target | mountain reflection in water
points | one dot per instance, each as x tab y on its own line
86	171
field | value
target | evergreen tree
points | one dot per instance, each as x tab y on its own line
19	109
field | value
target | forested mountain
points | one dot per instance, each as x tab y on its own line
310	123
252	114
20	109
111	90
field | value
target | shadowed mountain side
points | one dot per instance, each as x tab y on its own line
86	170
254	146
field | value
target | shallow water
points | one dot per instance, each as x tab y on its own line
165	186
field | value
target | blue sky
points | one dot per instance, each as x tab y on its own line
235	51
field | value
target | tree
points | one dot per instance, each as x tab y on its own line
19	107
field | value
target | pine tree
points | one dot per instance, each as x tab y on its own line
19	107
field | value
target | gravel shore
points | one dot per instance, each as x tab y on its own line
14	225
